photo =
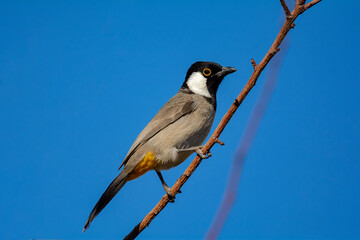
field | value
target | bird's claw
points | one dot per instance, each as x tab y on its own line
171	197
168	192
202	155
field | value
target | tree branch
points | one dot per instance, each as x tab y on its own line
286	9
299	9
310	4
249	133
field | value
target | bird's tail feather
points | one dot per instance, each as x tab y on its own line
109	193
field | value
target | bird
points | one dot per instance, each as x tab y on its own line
175	132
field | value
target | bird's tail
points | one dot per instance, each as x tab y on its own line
109	193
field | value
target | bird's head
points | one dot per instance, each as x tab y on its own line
204	78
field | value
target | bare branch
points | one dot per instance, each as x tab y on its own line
310	4
286	9
244	146
299	9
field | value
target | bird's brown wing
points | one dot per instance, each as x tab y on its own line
178	106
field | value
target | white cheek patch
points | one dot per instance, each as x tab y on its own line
197	84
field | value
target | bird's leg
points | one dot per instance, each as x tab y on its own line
166	187
198	151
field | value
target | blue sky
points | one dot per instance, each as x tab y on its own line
79	80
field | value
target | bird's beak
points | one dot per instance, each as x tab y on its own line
228	70
225	71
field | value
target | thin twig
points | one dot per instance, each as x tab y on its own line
286	9
299	9
310	4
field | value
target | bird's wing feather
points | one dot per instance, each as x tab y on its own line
178	106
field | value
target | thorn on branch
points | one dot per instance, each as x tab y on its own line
253	63
286	9
217	140
292	25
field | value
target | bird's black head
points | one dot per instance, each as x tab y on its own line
204	78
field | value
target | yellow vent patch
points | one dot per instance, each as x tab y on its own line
146	164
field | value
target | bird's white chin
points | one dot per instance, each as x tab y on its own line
197	84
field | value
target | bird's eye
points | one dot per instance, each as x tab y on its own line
207	72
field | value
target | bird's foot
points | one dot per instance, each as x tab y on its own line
168	192
200	153
171	198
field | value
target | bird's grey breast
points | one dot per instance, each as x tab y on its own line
188	131
191	129
196	126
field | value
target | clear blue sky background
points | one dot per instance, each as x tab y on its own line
79	80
